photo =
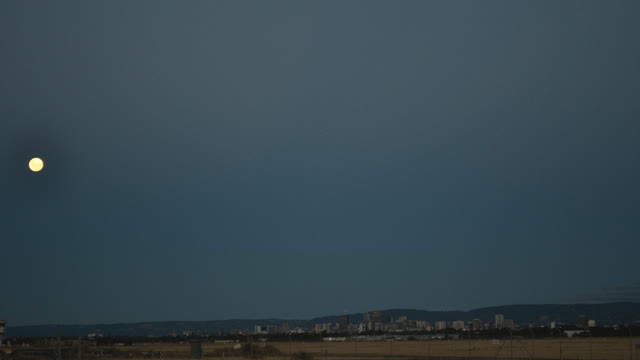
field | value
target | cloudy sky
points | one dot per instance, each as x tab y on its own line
242	159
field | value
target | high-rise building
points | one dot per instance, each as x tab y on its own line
499	321
477	324
323	327
591	323
441	325
284	328
377	317
343	322
458	325
366	317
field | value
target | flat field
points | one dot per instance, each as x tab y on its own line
564	349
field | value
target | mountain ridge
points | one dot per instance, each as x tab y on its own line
522	314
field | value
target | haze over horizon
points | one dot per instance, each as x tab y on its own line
224	159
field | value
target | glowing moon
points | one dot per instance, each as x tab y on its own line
36	164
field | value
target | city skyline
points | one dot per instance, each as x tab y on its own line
509	316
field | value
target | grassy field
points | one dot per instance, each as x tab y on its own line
565	349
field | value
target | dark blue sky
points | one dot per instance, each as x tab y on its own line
238	159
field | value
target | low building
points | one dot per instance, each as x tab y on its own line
572	333
508	324
582	321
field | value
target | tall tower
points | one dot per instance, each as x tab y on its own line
499	321
366	317
378	317
344	323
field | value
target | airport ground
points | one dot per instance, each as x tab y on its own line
560	349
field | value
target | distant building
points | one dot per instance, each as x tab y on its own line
553	325
377	317
284	328
343	321
572	333
270	329
366	317
499	321
508	324
441	325
323	327
477	324
591	323
458	325
394	326
582	321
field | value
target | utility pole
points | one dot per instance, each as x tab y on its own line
533	343
59	347
79	348
355	345
631	344
326	350
511	348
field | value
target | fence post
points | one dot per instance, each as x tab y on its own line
59	348
196	349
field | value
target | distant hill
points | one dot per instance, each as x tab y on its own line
604	314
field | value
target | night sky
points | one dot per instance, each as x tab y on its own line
253	159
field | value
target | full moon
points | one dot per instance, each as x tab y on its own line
36	164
